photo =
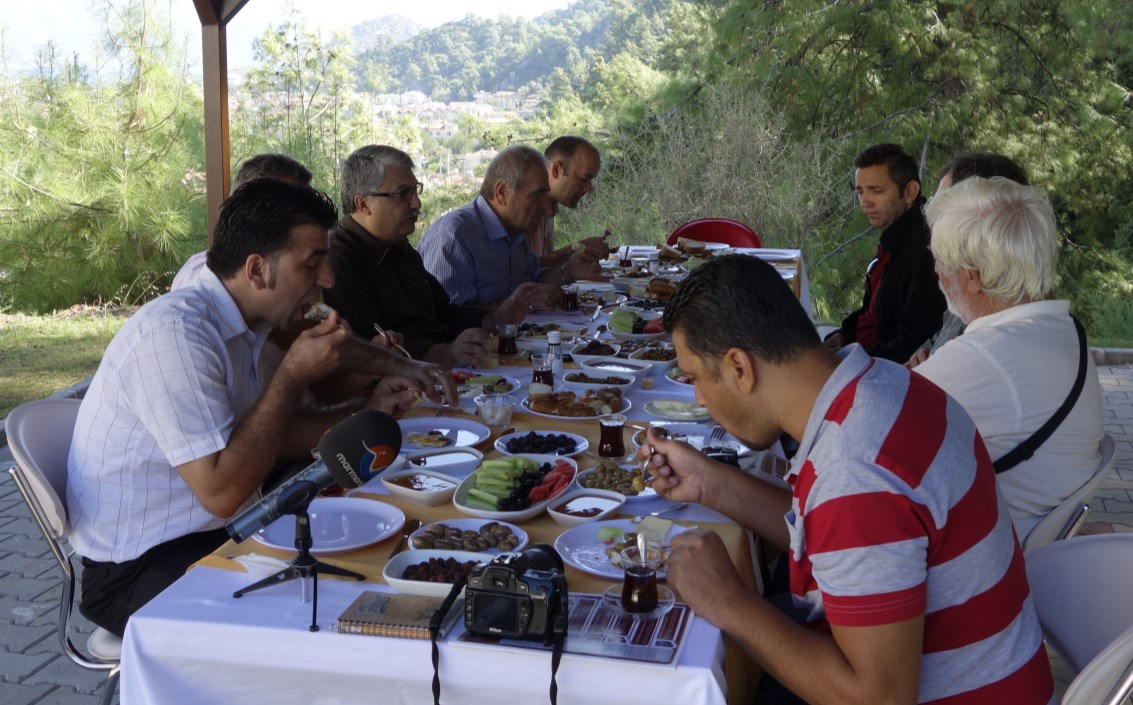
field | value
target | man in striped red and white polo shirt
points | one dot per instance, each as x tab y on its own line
902	560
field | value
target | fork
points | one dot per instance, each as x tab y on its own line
663	510
717	435
403	351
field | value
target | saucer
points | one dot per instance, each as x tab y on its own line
612	600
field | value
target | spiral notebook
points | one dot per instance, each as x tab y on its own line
390	614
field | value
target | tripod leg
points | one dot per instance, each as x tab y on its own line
288	573
335	570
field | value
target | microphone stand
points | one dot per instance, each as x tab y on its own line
303	566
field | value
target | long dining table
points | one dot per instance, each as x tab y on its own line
196	643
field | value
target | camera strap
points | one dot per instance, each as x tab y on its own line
559	627
434	630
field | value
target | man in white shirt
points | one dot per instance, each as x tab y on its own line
184	418
572	165
996	248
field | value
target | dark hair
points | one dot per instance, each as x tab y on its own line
965	165
271	166
739	301
365	170
902	166
563	148
258	219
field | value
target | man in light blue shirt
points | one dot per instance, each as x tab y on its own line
479	252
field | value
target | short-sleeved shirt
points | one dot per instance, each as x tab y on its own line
174	384
473	256
389	286
895	514
1011	370
190	270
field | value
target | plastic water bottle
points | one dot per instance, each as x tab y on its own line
555	352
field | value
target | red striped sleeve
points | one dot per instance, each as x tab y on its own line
979	509
1031	684
877	608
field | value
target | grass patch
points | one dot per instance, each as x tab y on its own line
39	355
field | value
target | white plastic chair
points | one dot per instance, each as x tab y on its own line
1067	518
1081	589
39	436
1108	679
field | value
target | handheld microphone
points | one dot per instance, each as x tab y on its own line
353	452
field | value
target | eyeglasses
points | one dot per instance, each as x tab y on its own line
400	195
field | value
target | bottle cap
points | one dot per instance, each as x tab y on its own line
554	337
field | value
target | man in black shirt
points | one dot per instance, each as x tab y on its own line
903	304
380	279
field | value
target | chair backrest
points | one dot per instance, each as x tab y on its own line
1108	679
1081	589
728	232
1062	517
39	436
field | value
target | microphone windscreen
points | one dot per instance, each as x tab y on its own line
360	447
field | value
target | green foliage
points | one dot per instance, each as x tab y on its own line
96	179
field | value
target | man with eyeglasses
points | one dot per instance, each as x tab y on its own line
381	280
479	252
572	165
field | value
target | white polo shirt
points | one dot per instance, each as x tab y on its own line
173	385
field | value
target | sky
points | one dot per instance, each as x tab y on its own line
73	25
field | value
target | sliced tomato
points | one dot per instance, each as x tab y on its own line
654	326
461	376
538	494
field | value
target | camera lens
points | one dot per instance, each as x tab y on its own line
543	557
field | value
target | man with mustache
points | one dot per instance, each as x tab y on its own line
380	278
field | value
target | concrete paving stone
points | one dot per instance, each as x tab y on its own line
68	696
30	589
16	667
62	671
30	567
20	637
16	694
18	611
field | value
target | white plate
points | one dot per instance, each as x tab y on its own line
454	462
619	366
615	500
628	382
474	525
464	432
582	443
531	512
397	565
647	493
583	357
694	412
337	524
672	373
626	406
581	548
697	435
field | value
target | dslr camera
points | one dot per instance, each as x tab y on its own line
518	596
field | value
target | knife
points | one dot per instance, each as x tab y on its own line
410	526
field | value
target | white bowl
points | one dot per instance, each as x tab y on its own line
645	316
610	501
397	565
659	366
454	462
582	357
628	381
460	497
473	525
617	366
429	498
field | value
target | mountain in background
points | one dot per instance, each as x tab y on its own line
383	32
457	59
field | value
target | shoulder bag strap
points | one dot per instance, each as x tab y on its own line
1027	448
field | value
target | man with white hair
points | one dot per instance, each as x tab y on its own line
996	249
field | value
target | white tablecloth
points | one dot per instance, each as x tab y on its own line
195	644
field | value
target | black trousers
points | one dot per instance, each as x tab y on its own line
114	591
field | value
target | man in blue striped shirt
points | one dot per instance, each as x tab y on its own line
479	252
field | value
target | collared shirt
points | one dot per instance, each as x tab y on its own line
542	239
895	514
189	271
174	384
473	256
375	283
1011	370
